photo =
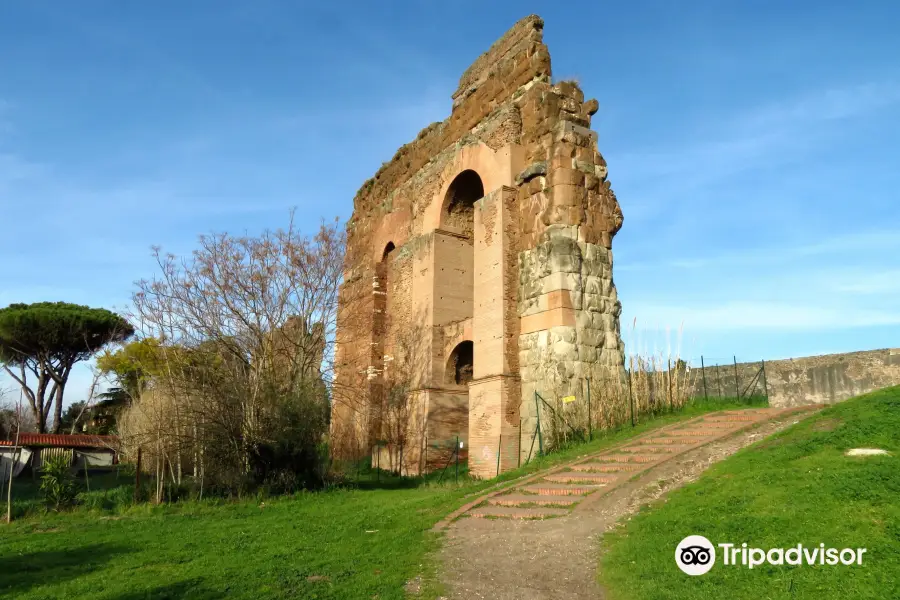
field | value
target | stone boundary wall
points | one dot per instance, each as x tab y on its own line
822	379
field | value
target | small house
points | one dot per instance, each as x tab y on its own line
84	451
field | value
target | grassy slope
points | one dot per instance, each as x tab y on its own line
796	487
242	549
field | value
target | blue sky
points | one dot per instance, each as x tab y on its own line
753	145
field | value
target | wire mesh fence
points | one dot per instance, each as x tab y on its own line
723	378
649	388
593	406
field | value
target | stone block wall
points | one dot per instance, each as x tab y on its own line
824	379
567	299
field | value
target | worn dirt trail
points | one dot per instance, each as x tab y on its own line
517	555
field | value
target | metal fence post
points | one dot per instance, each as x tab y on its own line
539	432
557	418
737	384
765	381
590	420
703	372
531	447
457	459
499	446
718	381
519	455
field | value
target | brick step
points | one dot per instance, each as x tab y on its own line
691	432
559	489
668	441
616	459
543	500
651	449
509	512
716	425
605	467
575	477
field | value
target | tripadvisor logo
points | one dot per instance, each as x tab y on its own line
696	555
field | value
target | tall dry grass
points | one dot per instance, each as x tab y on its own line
654	381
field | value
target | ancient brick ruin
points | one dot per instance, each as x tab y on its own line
479	270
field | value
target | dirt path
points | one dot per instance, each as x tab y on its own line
556	558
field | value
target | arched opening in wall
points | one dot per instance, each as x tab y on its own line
459	203
460	364
381	307
382	292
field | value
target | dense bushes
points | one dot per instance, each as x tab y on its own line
230	379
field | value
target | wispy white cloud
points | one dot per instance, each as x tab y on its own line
867	242
826	105
704	160
740	315
773	135
429	106
883	282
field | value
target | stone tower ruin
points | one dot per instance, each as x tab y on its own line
478	272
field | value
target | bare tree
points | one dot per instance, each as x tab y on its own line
89	402
402	425
13	418
247	327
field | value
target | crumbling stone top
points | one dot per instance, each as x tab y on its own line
524	32
513	61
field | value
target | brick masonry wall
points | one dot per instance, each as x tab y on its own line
393	206
559	308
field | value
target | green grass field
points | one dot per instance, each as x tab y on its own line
351	544
357	543
796	487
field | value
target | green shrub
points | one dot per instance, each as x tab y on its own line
58	487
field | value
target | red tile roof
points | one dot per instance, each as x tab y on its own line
63	441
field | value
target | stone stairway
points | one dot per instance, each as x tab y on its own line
556	493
